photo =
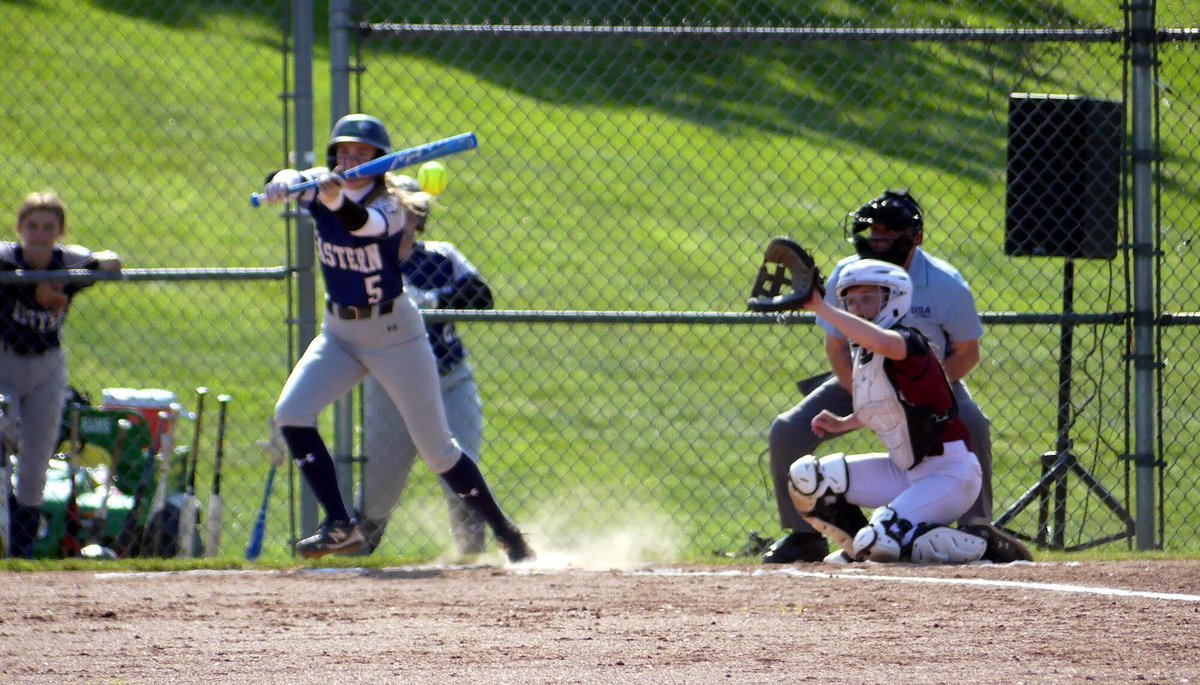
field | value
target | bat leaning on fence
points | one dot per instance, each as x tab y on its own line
390	162
73	525
189	509
215	505
259	532
153	535
128	542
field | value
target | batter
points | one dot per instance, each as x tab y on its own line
364	231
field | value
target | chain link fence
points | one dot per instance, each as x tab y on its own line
634	160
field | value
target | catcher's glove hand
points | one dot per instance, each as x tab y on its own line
794	267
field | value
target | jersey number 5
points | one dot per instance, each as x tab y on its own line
374	293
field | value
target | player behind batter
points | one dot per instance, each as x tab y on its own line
928	477
437	275
33	368
364	231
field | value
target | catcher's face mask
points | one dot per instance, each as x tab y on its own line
864	301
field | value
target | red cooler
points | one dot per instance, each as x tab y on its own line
147	402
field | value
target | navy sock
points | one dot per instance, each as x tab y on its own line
467	482
312	458
23	528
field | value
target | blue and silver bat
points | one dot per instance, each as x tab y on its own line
396	160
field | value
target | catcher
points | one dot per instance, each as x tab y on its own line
928	476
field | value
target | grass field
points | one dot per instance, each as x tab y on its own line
630	176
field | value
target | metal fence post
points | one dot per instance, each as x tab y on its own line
339	71
306	287
1144	245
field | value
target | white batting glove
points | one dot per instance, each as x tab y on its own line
329	190
276	192
424	299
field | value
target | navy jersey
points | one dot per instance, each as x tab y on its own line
27	327
440	267
360	271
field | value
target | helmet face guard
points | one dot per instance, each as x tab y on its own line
896	211
892	279
357	128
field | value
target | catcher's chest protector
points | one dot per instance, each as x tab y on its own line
878	406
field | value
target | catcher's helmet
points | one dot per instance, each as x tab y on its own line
357	128
890	277
894	210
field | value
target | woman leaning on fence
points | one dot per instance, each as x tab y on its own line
33	367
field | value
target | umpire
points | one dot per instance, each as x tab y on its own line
890	228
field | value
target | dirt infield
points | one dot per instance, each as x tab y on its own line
1121	622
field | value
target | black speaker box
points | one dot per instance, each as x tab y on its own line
1064	176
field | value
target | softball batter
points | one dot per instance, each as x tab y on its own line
436	275
33	368
364	230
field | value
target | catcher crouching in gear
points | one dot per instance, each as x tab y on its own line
889	228
928	477
364	231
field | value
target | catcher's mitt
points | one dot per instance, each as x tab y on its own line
794	267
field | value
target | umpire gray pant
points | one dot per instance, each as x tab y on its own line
791	437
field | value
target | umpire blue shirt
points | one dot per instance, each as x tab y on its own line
943	308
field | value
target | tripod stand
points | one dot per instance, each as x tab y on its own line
1061	462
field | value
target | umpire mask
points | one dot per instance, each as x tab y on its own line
893	211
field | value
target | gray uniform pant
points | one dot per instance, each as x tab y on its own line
390	450
394	348
791	437
36	387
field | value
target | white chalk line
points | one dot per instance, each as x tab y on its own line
682	572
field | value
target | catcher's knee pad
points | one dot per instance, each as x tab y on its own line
934	544
810	480
882	539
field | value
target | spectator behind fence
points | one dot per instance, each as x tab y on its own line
33	367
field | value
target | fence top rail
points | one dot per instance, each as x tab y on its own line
771	33
735	318
270	273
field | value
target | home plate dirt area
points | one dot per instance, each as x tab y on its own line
1087	623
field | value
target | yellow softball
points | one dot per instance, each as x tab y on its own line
432	177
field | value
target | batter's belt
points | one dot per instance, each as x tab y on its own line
351	312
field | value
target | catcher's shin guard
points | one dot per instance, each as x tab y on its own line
945	545
837	522
882	538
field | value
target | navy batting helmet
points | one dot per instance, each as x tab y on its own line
357	128
894	210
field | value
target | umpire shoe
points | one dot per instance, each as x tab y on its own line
795	547
333	537
1002	546
512	541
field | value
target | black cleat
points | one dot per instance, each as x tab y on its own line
372	531
794	547
512	541
1002	546
333	537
